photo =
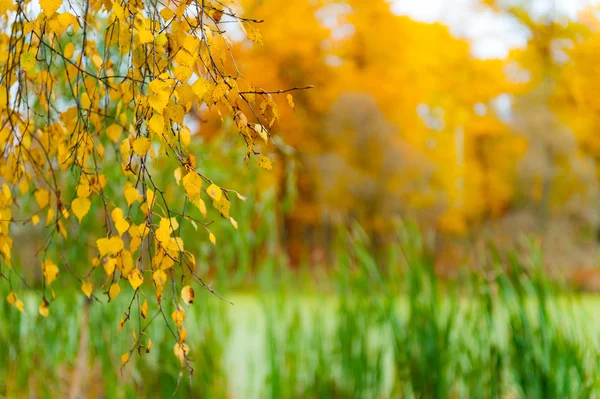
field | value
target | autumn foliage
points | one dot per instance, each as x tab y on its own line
105	104
94	98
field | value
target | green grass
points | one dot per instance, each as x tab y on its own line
503	330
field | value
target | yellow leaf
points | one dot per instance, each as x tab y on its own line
178	316
175	113
135	278
187	294
28	61
42	197
113	291
240	197
103	246
182	335
146	36
80	207
234	223
199	202
144	309
201	87
87	289
149	345
219	91
109	266
181	351
50	6
264	162
43	309
212	238
192	183
141	145
157	124
159	100
124	358
115	245
185	135
49	270
132	195
113	132
120	223
83	189
262	132
177	175
167	13
214	192
11	298
150	198
50	216
223	205
182	73
35	219
135	243
290	100
19	305
69	50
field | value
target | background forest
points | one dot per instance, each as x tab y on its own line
430	227
411	120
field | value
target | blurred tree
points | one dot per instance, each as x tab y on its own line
454	158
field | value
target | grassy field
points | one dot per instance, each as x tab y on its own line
503	331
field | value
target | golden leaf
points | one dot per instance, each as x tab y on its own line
141	145
115	245
264	162
222	205
240	197
214	192
192	183
120	223
199	203
87	288
178	316
113	291
11	298
290	100
187	294
262	132
80	207
42	197
157	124
146	36
144	309
43	309
132	195
69	50
109	266
50	6
219	91
167	14
135	278
49	270
181	350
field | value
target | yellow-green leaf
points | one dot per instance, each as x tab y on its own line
80	207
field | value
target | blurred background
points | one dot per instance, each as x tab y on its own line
475	119
430	228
